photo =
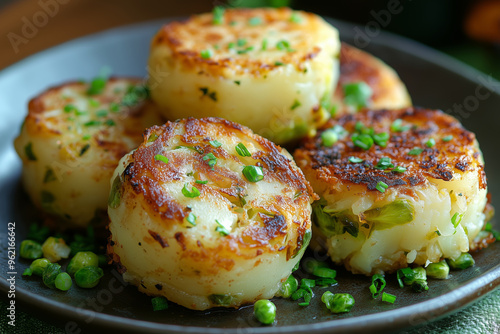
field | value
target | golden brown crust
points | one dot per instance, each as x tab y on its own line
40	122
388	91
146	177
186	39
441	161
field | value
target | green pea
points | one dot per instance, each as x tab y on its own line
88	277
264	311
39	265
288	287
338	303
63	281
30	250
464	261
81	260
159	303
50	273
438	270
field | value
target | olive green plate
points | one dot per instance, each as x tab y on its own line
433	80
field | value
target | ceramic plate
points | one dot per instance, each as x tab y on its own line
434	81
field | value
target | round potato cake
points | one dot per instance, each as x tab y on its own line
268	69
397	187
386	90
207	214
71	142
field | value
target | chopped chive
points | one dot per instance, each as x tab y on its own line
324	272
279	63
456	219
415	151
109	122
80	112
28	150
221	229
201	181
399	169
381	186
357	94
255	21
384	163
243	51
295	18
264	45
387	297
381	138
401	274
430	143
359	126
296	104
355	160
101	113
378	284
397	126
447	138
218	15
242	150
191	194
241	42
94	103
134	95
161	158
253	173
215	143
210	159
97	85
237	82
206	54
114	107
284	45
190	148
363	141
231	45
92	123
191	219
69	108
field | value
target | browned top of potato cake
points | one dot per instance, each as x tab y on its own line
146	177
428	143
234	39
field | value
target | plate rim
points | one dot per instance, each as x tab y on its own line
465	294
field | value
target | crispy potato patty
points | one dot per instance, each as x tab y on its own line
397	187
206	213
265	68
71	142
